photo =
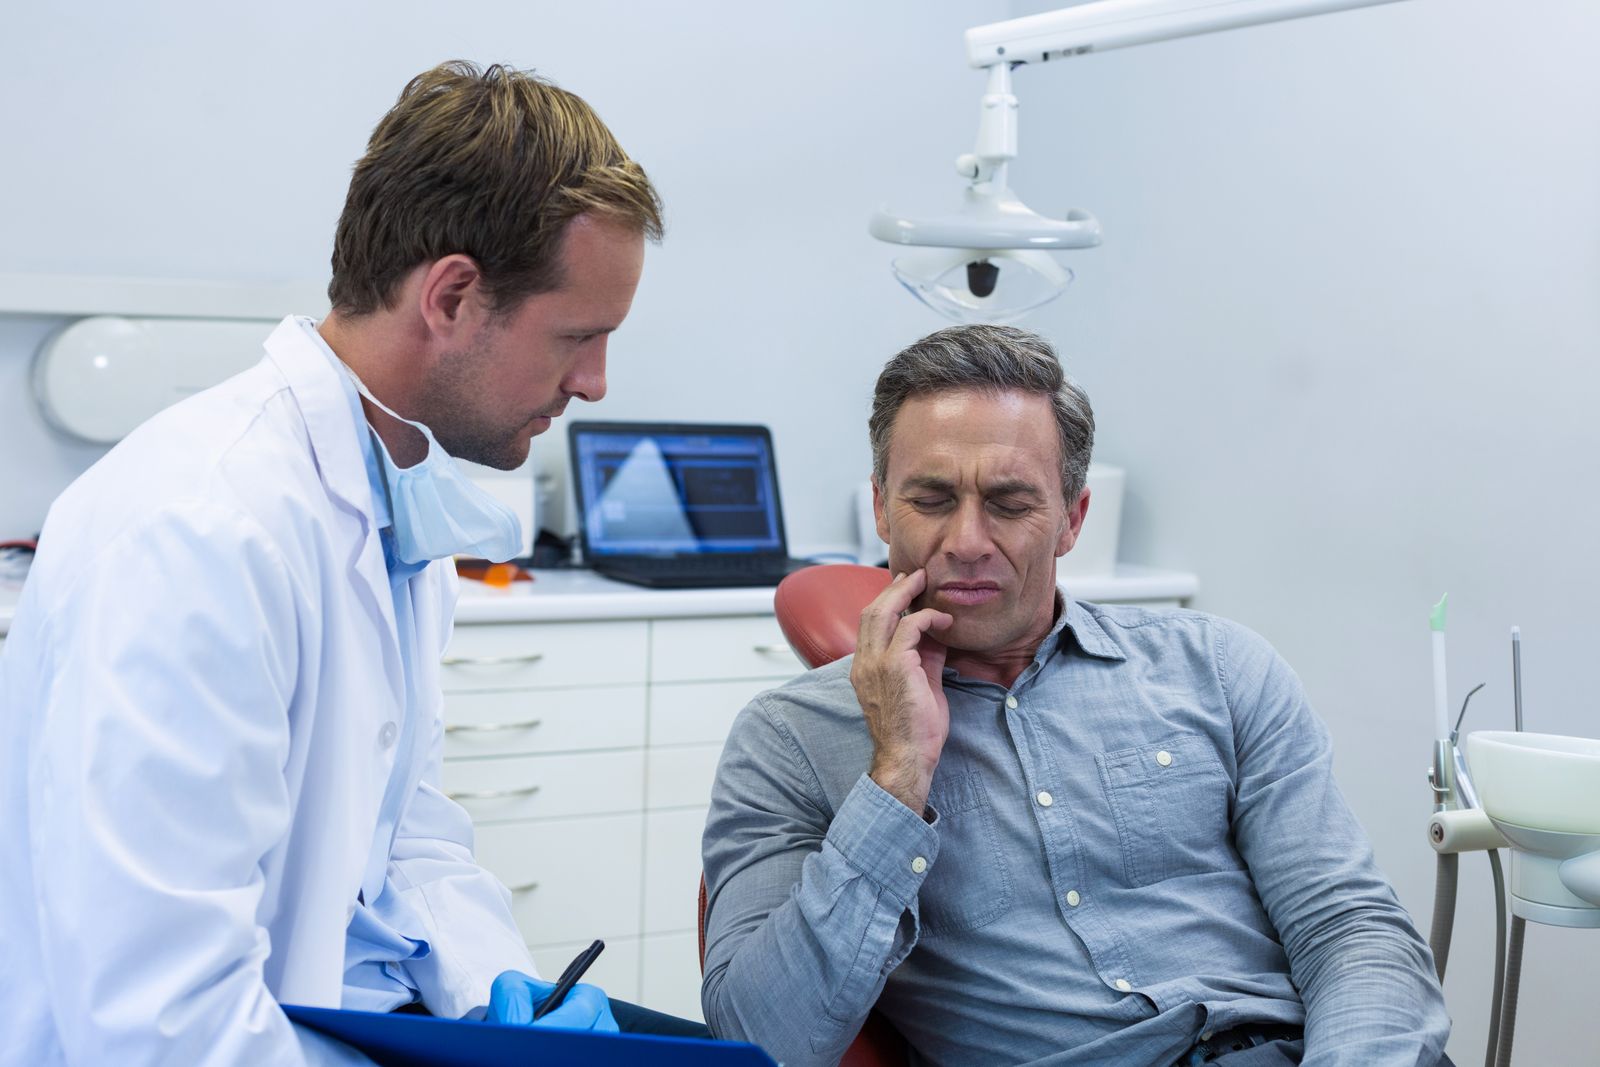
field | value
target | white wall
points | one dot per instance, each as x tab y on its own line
1342	332
181	141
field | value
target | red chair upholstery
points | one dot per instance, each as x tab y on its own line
819	609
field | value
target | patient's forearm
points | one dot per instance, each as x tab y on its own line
800	978
1371	1002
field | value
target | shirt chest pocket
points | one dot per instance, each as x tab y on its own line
970	884
1171	801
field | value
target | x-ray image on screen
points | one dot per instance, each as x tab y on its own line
666	493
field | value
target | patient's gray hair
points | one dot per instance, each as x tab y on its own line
993	359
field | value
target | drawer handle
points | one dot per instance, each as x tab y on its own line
490	727
491	661
525	887
497	794
773	650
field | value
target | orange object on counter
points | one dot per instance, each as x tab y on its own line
498	575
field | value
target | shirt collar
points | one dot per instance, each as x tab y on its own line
1074	621
1085	627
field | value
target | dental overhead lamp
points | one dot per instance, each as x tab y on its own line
991	260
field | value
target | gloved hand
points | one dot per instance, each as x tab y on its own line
514	997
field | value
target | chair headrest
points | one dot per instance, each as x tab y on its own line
819	608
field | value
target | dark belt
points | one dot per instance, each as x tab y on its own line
1237	1039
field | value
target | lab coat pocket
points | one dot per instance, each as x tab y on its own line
970	885
1170	799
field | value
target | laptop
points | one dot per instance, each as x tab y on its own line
679	505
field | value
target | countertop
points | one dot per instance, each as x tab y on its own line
574	595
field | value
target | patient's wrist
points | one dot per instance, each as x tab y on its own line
905	782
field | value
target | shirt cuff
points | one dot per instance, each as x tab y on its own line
885	840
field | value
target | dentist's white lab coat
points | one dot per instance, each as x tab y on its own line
199	703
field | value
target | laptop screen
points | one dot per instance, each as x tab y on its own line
659	490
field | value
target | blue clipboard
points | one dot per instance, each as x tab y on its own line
424	1041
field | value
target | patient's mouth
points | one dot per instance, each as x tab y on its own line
968	594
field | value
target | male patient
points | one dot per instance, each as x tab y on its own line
1037	830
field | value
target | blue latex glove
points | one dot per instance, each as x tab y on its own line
514	997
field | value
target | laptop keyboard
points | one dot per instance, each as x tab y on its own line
711	565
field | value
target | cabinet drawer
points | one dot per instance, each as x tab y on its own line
681	777
616	971
520	656
571	879
672	869
669	976
691	713
519	722
531	787
746	646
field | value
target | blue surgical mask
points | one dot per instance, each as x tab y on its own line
436	510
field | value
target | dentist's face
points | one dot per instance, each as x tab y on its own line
973	495
487	401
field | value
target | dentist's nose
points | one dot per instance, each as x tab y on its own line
587	379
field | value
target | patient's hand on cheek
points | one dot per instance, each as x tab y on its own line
896	672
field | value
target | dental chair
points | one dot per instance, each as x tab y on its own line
819	611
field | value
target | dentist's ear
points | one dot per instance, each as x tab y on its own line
879	515
1074	524
451	300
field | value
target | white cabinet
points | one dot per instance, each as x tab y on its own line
585	752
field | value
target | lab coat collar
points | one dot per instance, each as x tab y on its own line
307	364
311	369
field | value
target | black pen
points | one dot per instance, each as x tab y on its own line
568	979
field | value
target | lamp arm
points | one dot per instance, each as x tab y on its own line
1108	24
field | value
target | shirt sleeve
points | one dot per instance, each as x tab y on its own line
806	914
159	789
1363	972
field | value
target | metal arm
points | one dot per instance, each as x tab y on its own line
1124	23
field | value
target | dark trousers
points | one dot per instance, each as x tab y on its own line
632	1019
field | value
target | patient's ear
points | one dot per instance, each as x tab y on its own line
1074	524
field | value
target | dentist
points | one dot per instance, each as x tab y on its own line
220	728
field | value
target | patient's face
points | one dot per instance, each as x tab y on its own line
973	494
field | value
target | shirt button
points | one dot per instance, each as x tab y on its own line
1122	984
387	735
919	865
1164	758
1011	702
1073	898
1205	1035
1045	799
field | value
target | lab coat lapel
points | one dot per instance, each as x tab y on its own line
323	404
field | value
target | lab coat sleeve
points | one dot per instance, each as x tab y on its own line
470	929
471	932
160	790
1363	972
808	911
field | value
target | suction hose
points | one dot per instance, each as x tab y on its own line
1508	1024
1496	1006
1444	910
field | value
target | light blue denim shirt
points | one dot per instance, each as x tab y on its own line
1139	842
